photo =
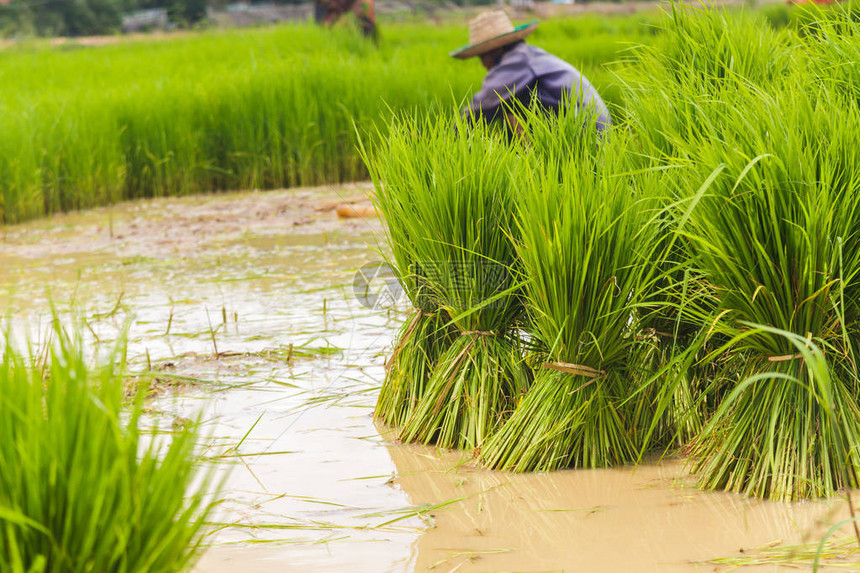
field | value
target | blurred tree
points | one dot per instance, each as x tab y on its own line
183	13
79	17
187	12
86	17
60	17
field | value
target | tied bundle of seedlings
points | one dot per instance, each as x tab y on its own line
776	234
664	320
671	320
587	229
447	190
772	234
427	331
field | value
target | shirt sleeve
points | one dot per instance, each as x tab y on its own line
508	79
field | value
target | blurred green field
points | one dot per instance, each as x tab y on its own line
246	109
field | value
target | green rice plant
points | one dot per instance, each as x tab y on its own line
831	40
447	191
679	404
82	486
587	239
708	49
808	20
674	357
672	317
695	65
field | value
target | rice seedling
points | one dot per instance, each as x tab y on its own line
696	65
82	486
840	554
671	318
830	552
831	40
447	191
587	239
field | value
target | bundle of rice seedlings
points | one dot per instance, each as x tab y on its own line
663	319
82	486
585	248
427	331
776	234
447	192
672	318
771	234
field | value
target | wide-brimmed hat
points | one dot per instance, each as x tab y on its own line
490	30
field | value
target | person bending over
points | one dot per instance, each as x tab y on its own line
517	70
327	12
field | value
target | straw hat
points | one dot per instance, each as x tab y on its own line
491	30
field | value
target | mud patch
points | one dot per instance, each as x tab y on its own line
170	227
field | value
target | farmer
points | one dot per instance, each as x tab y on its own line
517	70
327	12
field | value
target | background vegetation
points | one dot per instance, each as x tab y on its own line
267	108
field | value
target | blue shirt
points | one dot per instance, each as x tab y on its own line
526	70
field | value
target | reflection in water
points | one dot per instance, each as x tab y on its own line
589	520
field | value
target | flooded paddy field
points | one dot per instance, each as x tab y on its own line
242	307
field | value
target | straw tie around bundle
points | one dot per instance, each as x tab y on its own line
478	333
785	358
578	369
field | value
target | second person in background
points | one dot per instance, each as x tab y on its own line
327	12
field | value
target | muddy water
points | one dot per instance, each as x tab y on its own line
250	295
648	519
